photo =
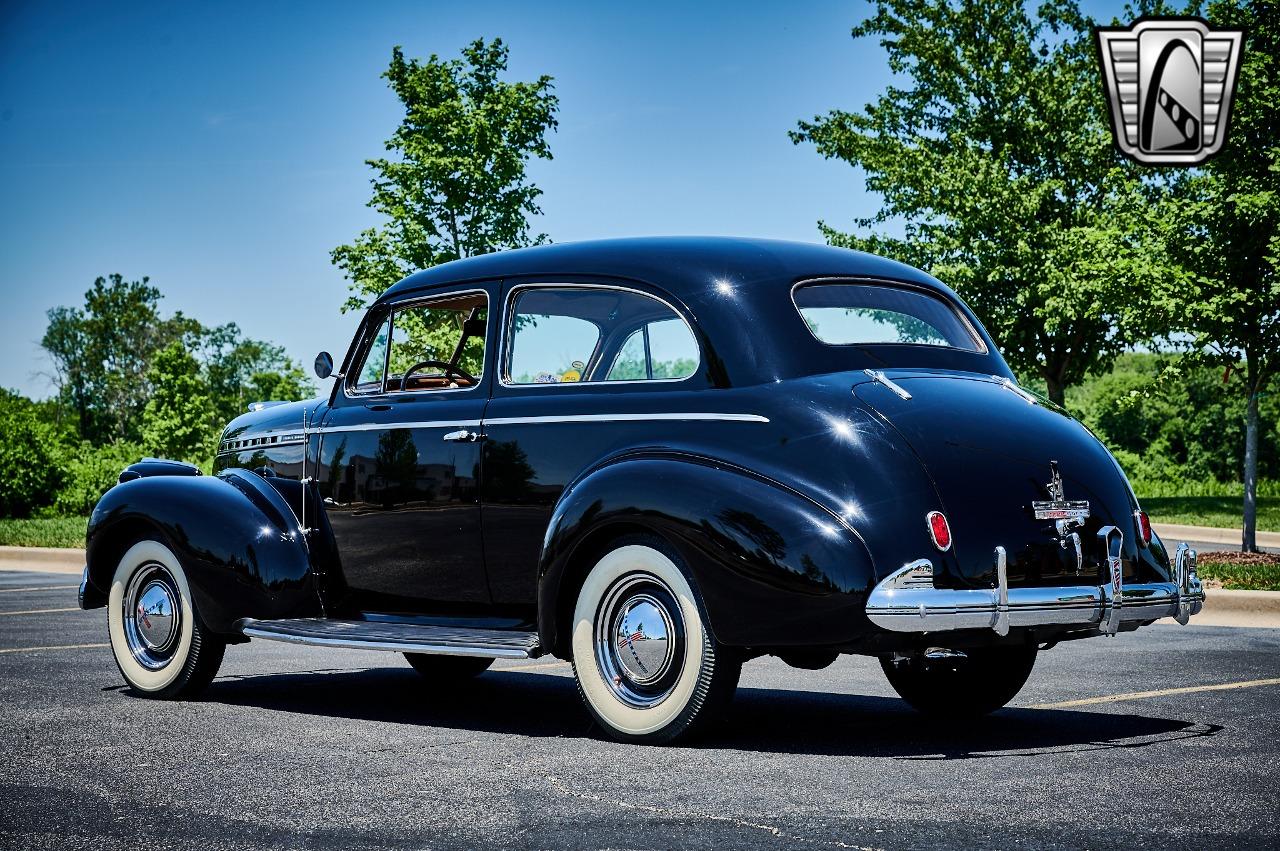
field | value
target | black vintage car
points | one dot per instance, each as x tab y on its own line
657	458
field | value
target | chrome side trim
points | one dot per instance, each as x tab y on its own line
605	418
551	418
880	377
901	603
390	426
267	440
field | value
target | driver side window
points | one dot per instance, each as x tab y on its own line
437	345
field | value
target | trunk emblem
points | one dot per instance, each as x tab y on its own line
1057	507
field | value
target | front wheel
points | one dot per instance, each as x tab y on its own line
161	646
980	682
646	664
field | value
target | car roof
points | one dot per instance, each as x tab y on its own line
725	284
685	266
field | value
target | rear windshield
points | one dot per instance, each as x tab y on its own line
867	314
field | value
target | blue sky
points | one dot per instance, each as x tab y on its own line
220	149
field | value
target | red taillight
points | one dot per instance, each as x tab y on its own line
939	530
1144	527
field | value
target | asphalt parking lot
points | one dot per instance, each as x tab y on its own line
300	748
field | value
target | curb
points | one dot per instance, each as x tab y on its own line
1217	600
1174	532
45	559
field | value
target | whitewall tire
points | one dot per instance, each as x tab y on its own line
646	664
160	645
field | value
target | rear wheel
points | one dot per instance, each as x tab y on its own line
160	644
646	664
448	667
981	681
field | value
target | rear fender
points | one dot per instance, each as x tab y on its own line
239	543
773	568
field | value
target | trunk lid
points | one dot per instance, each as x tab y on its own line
989	452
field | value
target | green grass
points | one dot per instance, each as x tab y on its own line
1225	512
43	532
1242	577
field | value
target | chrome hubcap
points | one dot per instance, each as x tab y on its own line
152	616
640	640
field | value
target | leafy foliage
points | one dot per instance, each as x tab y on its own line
457	185
105	356
101	353
29	453
240	370
88	472
1173	423
1224	223
176	421
993	152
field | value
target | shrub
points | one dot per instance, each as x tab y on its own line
90	472
30	467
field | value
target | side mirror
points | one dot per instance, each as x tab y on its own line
324	365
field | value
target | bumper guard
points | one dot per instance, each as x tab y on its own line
906	601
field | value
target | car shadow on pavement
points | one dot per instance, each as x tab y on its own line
759	719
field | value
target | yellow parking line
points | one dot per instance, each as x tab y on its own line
41	611
52	647
1139	695
40	588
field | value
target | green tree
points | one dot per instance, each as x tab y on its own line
992	152
457	184
240	370
1227	216
101	354
178	419
31	468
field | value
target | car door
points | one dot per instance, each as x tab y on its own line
399	461
584	371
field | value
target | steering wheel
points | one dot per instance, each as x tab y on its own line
447	367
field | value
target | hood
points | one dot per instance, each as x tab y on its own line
273	419
989	449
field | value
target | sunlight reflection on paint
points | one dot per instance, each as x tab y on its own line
724	287
827	529
851	511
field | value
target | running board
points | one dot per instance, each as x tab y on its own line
397	637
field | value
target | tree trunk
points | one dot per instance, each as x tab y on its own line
1056	389
1249	542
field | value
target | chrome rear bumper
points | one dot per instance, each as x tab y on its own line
906	601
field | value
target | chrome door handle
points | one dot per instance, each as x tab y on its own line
464	436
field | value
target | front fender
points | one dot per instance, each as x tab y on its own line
237	539
774	568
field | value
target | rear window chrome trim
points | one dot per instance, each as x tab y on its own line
969	328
